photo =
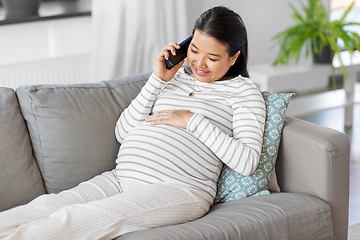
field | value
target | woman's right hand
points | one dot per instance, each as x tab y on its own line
160	69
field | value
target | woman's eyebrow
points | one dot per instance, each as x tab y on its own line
194	46
213	54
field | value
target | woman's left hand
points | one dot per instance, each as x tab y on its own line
176	118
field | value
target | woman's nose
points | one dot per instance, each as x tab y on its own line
201	62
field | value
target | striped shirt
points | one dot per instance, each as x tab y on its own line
227	127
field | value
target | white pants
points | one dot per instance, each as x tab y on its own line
101	208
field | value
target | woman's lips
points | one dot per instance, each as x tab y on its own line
201	73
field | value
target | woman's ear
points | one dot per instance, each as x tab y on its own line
233	58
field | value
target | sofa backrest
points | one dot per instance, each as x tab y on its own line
72	127
20	176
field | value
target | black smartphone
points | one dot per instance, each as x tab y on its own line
181	53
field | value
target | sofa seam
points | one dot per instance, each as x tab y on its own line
40	142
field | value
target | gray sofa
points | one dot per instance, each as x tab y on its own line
55	136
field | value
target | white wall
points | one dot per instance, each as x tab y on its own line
44	40
52	52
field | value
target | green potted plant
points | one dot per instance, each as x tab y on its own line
316	28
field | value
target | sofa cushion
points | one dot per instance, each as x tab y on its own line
232	185
273	216
20	176
72	127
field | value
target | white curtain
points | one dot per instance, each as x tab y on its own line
128	34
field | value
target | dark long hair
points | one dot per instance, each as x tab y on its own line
228	28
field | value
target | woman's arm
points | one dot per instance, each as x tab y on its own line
139	108
242	151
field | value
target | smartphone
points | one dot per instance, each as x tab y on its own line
181	53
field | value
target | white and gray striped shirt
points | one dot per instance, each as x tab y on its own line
228	125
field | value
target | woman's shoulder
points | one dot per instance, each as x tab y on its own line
246	82
240	84
246	87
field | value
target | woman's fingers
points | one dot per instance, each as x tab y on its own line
177	118
172	48
158	117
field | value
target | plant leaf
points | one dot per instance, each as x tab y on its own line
347	12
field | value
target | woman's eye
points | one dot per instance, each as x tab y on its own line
211	59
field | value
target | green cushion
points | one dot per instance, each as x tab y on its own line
232	185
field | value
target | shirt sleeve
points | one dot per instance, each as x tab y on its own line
139	108
242	151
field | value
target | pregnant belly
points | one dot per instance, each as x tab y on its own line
165	153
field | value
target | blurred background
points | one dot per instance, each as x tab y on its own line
121	37
75	41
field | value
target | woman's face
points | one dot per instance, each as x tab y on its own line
208	58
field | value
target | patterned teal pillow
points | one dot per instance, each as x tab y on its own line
232	185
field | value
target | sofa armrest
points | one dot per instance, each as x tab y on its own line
315	160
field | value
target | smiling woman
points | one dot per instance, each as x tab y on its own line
228	29
209	59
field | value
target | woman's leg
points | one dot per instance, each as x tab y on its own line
97	188
141	208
